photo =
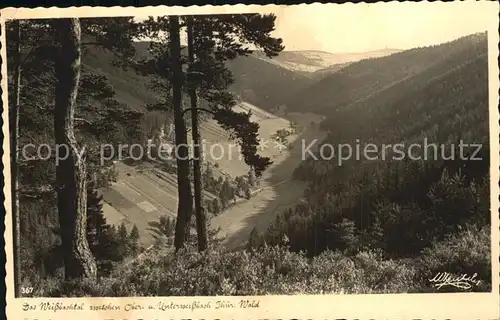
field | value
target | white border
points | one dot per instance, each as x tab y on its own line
374	306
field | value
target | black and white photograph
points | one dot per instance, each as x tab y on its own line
272	151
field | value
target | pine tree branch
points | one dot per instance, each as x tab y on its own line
83	120
91	44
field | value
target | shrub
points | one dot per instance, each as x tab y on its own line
268	270
467	252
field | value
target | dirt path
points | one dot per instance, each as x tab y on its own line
278	191
237	222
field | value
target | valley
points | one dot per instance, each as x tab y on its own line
143	193
320	172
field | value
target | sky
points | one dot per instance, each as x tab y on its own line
364	27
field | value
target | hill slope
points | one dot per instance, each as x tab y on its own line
257	80
367	77
269	82
263	83
402	205
130	87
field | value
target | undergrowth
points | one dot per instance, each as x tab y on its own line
273	270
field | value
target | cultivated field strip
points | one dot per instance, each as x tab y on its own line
144	193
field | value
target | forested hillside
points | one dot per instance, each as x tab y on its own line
270	82
107	112
264	84
256	80
399	205
368	77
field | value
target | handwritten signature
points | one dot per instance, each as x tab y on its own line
463	281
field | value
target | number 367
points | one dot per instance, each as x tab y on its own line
26	290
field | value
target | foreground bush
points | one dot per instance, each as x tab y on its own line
277	270
270	270
467	252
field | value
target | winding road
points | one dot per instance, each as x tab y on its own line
277	191
237	222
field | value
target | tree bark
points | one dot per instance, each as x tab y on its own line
15	157
71	170
201	228
185	206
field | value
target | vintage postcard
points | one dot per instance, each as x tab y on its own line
312	161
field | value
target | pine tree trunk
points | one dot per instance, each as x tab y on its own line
185	206
71	171
15	157
201	228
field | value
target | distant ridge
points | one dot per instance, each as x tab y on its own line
314	60
368	76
